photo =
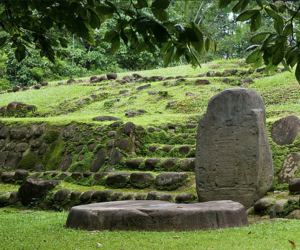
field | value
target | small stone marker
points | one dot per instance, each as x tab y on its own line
233	156
290	167
285	130
149	215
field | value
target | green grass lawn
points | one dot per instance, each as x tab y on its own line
45	231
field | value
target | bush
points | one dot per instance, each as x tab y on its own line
4	84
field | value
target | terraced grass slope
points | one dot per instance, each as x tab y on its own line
150	148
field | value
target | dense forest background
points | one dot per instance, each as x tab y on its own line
82	59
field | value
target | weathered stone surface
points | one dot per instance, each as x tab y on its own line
35	176
105	118
2	143
184	149
184	197
31	189
75	195
141	178
168	148
263	203
279	205
76	175
130	196
134	163
293	215
98	160
21	175
18	133
117	178
115	157
141	196
39	130
285	130
294	185
167	197
170	163
13	198
92	146
111	76
77	137
202	82
10	146
86	196
65	163
4	132
100	175
102	195
290	167
170	178
157	216
233	156
21	147
3	156
128	128
188	164
43	149
35	144
68	132
151	162
7	176
64	175
61	195
12	161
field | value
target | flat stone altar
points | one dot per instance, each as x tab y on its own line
233	155
148	215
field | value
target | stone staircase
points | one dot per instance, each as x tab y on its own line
124	160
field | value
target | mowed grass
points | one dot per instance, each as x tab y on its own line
46	231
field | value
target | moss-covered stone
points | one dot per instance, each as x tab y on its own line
53	155
30	161
51	136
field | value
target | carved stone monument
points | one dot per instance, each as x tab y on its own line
233	158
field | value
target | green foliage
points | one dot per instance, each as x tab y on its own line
142	186
4	84
52	157
51	135
30	161
290	207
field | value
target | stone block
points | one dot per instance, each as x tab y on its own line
170	178
233	155
290	167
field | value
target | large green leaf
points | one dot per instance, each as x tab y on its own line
104	10
141	4
124	37
255	22
160	14
160	32
134	42
266	42
245	4
288	30
115	44
47	23
3	40
109	35
168	57
20	52
207	44
259	37
198	46
224	3
63	42
286	66
236	7
272	13
215	47
259	2
165	47
253	56
246	15
297	72
161	4
191	35
278	56
278	24
94	21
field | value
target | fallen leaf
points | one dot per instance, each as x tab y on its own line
44	240
179	207
293	244
99	245
249	232
176	236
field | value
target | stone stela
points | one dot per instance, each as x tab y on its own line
233	158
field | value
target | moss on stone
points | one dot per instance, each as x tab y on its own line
53	155
51	136
30	161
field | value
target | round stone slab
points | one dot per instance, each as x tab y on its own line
147	215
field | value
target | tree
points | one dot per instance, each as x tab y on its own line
146	26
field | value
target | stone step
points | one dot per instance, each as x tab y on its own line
163	164
172	150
